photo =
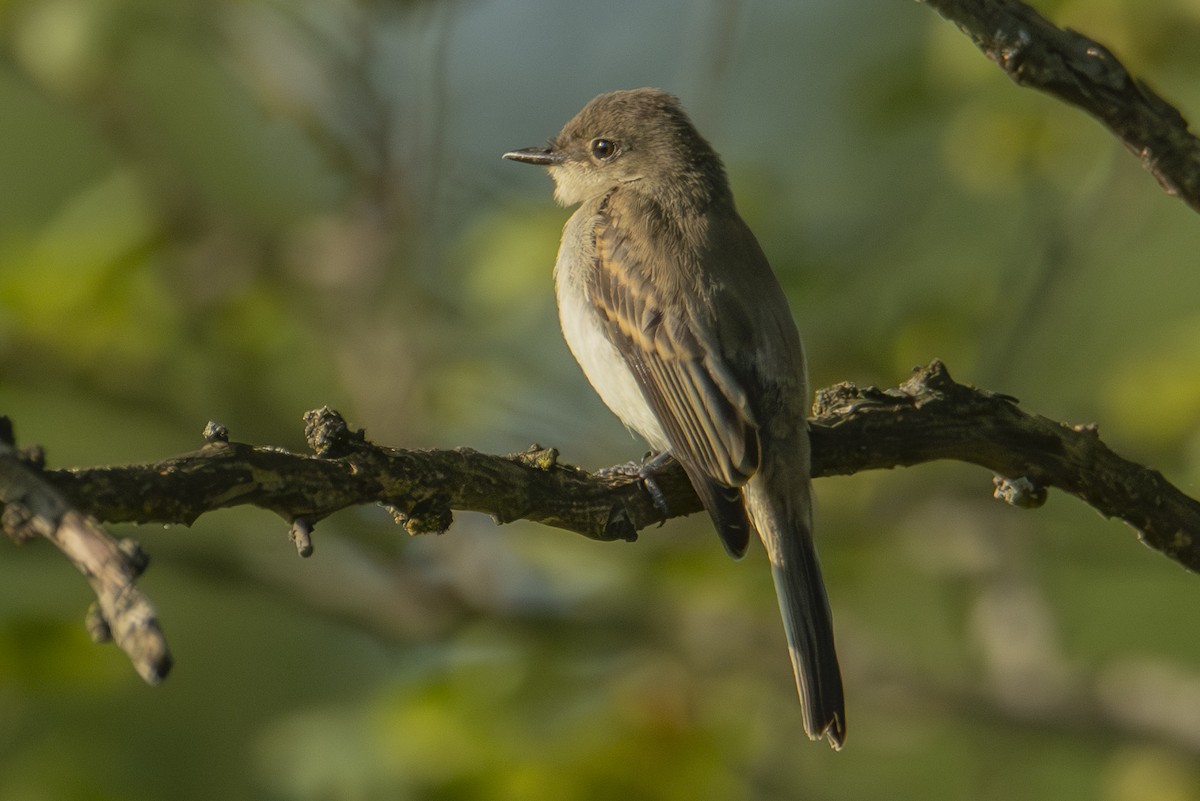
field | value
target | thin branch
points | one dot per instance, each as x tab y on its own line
929	417
932	417
32	507
1083	73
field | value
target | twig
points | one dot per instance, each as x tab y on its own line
32	507
1083	73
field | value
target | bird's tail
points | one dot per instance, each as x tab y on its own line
784	522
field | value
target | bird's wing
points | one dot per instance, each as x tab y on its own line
671	347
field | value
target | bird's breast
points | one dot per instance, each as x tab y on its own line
602	363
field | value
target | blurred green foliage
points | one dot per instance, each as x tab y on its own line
242	210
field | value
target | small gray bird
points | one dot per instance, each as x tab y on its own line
672	311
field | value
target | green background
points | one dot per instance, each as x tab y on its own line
238	211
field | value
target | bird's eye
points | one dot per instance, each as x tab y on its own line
604	149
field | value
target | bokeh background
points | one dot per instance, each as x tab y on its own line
242	210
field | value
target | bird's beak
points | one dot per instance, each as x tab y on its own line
544	156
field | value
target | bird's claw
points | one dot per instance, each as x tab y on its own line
645	471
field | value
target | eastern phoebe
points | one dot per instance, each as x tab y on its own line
672	310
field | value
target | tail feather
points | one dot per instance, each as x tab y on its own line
784	522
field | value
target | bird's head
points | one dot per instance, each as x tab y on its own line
636	138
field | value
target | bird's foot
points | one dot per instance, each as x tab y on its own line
645	470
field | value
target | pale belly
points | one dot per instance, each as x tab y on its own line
602	363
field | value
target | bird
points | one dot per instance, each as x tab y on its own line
671	308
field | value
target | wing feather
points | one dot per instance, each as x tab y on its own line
670	348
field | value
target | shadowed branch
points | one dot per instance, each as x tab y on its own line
927	418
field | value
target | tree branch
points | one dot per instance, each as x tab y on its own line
928	417
932	417
32	507
1083	73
